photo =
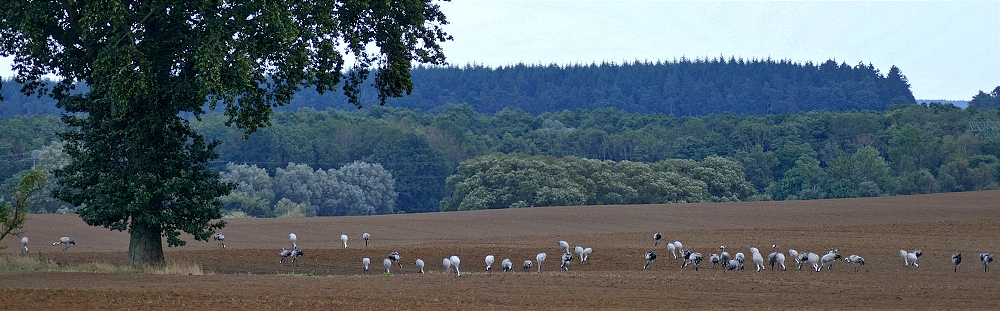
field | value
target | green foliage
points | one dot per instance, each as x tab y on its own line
149	62
13	213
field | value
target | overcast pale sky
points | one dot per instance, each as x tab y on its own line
947	50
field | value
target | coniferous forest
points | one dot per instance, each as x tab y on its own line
523	136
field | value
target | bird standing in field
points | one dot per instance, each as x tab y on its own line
956	260
294	239
394	256
388	265
447	265
343	238
420	265
68	241
986	258
366	236
221	238
24	242
566	259
366	261
539	259
656	238
776	258
489	262
855	260
506	264
650	257
455	261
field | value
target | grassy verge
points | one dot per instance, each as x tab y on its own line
40	263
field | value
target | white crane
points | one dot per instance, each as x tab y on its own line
489	262
218	236
68	241
506	264
579	252
420	265
691	258
673	249
724	256
678	246
911	257
855	260
564	245
903	253
813	259
829	258
343	238
447	265
956	260
527	265
394	256
986	258
454	263
366	261
586	254
539	259
776	257
388	265
758	259
794	254
566	259
656	238
294	239
24	242
366	236
650	257
714	258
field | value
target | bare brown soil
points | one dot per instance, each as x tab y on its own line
247	275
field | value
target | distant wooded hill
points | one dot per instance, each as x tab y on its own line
680	88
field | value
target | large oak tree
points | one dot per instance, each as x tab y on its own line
137	164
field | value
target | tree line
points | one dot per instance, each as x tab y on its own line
436	160
681	87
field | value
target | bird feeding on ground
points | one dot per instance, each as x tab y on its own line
724	256
911	258
673	249
388	265
296	253
366	236
794	254
579	252
221	238
678	246
539	259
420	265
776	257
586	254
284	254
714	258
292	237
650	257
986	258
856	261
366	261
24	242
656	238
527	265
489	262
564	245
829	258
758	259
506	264
691	258
454	263
447	265
956	260
394	256
65	240
343	238
566	259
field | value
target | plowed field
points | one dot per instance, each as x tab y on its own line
247	275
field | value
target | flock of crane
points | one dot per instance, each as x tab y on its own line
723	258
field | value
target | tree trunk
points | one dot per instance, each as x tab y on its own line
145	248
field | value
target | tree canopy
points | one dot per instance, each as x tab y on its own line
137	164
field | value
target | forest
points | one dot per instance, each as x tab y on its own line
681	87
391	159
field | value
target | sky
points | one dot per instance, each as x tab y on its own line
947	50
